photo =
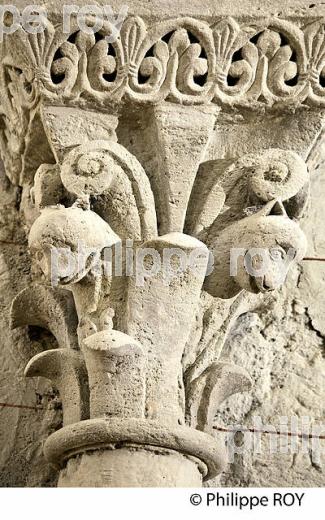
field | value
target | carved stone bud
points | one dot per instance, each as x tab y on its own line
170	269
116	371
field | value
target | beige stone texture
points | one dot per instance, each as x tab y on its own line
195	134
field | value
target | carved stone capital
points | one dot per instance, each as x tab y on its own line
140	161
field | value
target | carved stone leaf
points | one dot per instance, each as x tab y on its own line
48	308
67	371
210	389
153	69
315	50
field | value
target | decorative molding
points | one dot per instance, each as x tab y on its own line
269	62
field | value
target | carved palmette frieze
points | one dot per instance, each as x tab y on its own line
183	60
266	65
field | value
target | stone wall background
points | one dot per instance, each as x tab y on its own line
282	345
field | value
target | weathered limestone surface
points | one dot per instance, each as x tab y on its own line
192	134
282	347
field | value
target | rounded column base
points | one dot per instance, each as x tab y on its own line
116	452
130	467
